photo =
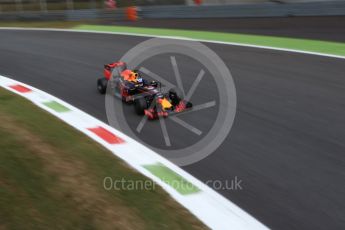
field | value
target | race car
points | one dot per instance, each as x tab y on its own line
147	96
125	83
162	105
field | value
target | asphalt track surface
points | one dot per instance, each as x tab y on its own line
287	143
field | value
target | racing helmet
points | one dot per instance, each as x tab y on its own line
137	76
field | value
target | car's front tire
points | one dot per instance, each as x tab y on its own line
102	85
140	105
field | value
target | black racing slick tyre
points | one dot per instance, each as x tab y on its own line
102	85
140	105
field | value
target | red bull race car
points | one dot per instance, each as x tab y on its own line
147	96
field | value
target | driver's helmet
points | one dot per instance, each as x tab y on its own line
137	76
131	76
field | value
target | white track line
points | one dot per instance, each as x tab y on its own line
178	38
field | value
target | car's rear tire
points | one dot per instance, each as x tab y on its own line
140	105
102	85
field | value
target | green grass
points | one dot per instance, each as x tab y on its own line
52	175
334	48
324	47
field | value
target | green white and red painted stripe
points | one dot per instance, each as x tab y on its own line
206	204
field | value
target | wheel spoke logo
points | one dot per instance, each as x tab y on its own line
189	136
